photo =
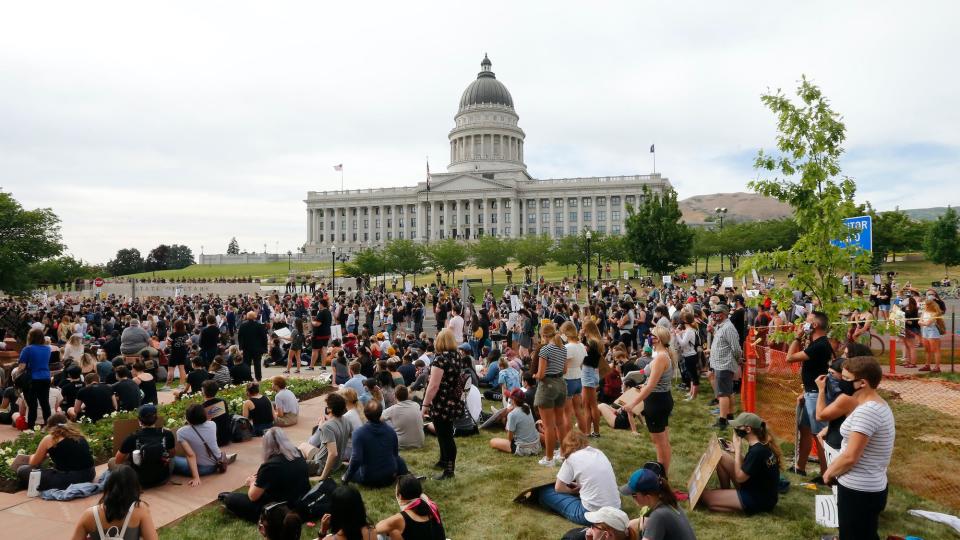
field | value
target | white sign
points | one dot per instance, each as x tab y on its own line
756	277
699	282
515	304
408	286
626	275
728	282
667	279
752	293
283	333
826	512
336	332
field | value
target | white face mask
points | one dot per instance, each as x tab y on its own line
807	328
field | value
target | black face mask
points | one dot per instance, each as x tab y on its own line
846	387
741	433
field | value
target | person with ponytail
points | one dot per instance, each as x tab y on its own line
279	522
755	477
523	439
663	518
655	394
591	374
551	393
418	519
66	447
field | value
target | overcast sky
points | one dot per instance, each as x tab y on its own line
192	122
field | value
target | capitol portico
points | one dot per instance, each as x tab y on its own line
486	189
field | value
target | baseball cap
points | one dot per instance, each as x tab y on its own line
720	308
641	481
465	346
517	393
746	419
612	517
147	411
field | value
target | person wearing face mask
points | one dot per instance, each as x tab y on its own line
815	359
754	476
418	519
861	467
663	519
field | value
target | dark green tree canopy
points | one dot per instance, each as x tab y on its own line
405	257
233	248
127	261
27	237
490	252
448	255
943	242
657	237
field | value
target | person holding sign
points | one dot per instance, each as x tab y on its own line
754	477
655	395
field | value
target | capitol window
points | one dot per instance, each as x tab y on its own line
615	215
558	203
587	216
631	200
572	202
602	229
531	218
615	200
601	215
587	202
558	232
572	230
573	216
601	201
531	231
545	217
558	216
615	229
544	203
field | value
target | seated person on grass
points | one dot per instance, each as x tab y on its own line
663	519
195	379
618	417
240	371
523	439
418	518
347	518
376	460
585	482
218	412
331	439
94	401
281	477
406	418
258	409
149	451
286	408
146	381
754	477
126	393
508	379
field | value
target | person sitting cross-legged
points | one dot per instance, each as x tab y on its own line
375	460
148	451
281	477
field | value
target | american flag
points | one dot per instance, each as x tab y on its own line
428	175
338	167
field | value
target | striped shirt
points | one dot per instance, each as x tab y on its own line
725	348
875	420
556	358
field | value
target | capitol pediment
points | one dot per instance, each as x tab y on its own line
467	182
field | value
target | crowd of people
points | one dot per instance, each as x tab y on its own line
557	364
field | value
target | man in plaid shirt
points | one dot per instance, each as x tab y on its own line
725	354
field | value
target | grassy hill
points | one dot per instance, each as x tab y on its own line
740	207
926	214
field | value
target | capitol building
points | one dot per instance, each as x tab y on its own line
486	189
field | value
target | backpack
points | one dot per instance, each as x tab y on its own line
465	426
155	459
241	429
113	533
316	502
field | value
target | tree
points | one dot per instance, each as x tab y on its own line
233	248
64	269
533	251
365	263
806	169
704	246
158	258
943	242
569	251
405	257
127	261
491	253
613	248
448	256
27	236
657	237
180	256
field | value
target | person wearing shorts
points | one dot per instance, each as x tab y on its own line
551	394
576	353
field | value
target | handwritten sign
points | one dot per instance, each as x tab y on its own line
704	471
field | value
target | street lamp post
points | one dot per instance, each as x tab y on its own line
289	256
720	211
588	236
333	271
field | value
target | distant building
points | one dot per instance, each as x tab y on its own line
486	189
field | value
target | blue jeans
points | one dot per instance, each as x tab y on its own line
565	504
810	408
182	468
493	374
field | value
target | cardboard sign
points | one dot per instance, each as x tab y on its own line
699	282
626	275
727	282
628	396
704	471
667	279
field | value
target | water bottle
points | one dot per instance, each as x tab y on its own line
33	486
137	457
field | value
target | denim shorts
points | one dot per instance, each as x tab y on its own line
574	387
810	412
590	377
930	332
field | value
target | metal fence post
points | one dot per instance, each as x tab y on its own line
893	356
953	340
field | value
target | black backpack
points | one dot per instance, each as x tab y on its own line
241	429
465	426
155	460
316	502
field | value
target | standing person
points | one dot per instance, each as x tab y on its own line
816	362
686	337
252	339
120	511
551	391
443	401
296	346
178	349
868	437
209	341
576	353
321	334
911	332
590	375
725	353
35	358
656	396
455	324
755	477
931	328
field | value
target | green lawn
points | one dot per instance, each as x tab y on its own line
478	504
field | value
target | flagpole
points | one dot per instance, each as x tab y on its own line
341	175
428	212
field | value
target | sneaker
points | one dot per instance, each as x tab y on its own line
793	470
494	409
309	368
594	435
715	411
445	475
556	455
546	462
720	424
689	398
231	458
924	368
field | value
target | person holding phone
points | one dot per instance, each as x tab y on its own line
754	477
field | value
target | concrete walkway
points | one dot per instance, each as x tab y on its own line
41	520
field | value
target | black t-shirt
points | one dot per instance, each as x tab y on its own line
764	470
196	379
262	412
179	347
149	473
819	354
593	356
209	338
324	319
69	389
97	400
240	373
128	395
71	455
283	480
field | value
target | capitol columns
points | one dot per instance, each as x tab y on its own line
515	216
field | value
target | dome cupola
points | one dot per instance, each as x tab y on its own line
486	90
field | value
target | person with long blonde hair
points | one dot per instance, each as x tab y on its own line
931	328
551	393
573	377
656	396
591	373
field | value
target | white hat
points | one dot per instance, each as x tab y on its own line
610	516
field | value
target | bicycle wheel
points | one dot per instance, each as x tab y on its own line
877	344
